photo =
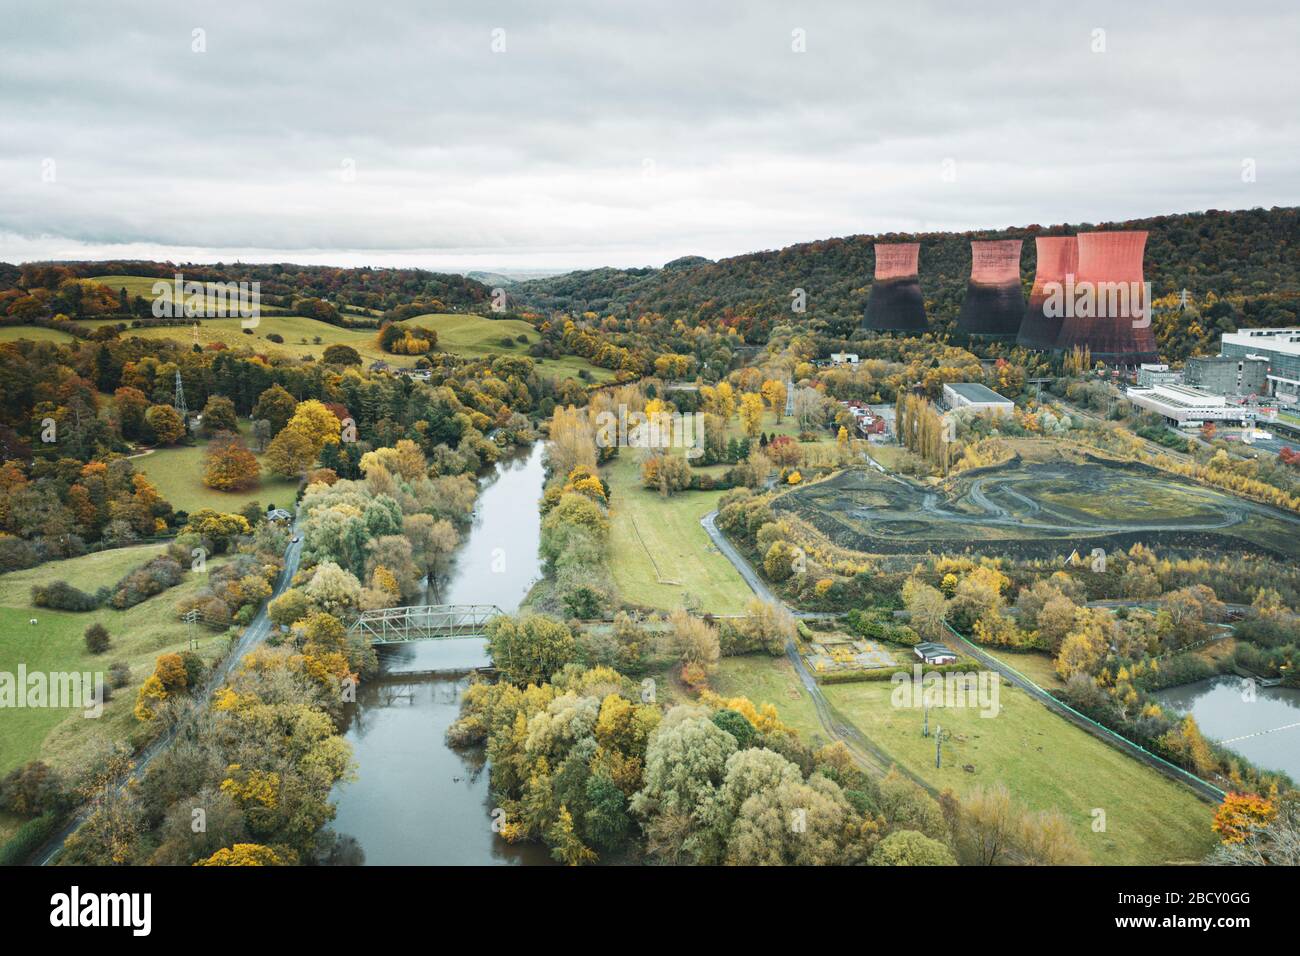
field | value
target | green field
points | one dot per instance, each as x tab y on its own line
65	738
35	333
178	474
1038	666
659	552
1046	763
472	336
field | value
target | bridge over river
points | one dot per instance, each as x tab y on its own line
428	622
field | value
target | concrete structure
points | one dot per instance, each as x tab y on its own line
1280	348
994	306
1057	257
1189	407
1228	375
1106	307
894	303
980	398
1153	373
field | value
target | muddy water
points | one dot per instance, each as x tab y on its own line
417	801
1266	731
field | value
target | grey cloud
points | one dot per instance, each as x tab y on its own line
539	155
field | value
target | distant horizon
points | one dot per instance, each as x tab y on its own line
521	272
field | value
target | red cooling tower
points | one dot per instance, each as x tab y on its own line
894	303
1058	256
1117	327
994	306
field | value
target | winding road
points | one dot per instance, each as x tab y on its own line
872	758
254	634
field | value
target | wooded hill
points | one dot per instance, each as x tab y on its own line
1251	257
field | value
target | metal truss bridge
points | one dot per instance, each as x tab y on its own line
430	622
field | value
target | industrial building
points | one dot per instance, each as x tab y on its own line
1228	375
1106	307
1186	406
1279	348
895	303
1057	257
980	398
994	306
1154	373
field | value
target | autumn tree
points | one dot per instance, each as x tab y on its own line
229	465
751	413
290	453
165	424
219	415
276	406
775	394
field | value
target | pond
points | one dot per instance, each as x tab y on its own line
1266	731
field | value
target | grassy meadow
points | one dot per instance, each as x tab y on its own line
1047	763
178	474
66	739
659	551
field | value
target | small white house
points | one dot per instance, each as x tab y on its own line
844	358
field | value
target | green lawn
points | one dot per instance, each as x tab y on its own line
1038	666
659	552
178	474
66	738
1046	763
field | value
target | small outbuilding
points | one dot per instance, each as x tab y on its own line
933	653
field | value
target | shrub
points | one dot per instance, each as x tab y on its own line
119	674
62	596
31	790
97	638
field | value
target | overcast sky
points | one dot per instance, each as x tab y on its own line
605	133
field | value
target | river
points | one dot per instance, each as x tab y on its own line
416	801
1266	731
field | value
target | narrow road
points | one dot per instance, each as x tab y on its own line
872	758
254	634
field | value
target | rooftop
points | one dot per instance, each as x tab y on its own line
1279	340
975	392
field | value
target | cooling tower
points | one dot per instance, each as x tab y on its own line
1116	324
894	303
994	305
1058	256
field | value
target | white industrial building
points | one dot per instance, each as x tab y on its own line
1184	405
1279	347
959	396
